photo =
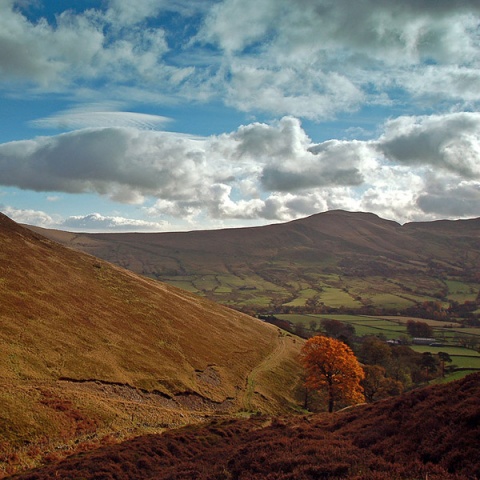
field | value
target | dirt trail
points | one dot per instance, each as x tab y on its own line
269	362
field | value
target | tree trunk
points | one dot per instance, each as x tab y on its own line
331	400
331	403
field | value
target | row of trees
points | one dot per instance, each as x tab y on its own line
465	313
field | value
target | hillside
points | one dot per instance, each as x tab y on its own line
335	258
90	349
430	433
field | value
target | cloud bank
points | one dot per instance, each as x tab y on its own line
418	168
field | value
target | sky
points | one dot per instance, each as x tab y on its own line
171	115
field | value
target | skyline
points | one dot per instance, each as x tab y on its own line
179	115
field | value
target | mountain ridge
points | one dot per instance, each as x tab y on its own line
291	262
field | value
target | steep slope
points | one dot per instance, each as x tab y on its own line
371	260
430	433
89	349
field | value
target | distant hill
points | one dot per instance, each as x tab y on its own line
335	258
89	349
431	433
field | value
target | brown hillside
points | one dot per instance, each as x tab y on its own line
90	349
372	260
431	433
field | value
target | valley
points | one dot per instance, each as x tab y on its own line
111	337
335	259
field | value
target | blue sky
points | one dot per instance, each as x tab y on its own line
165	115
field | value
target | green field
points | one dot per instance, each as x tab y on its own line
363	325
461	291
292	286
390	327
395	327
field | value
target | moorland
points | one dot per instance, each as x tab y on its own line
92	353
95	355
430	433
373	274
349	260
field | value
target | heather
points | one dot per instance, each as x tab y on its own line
430	433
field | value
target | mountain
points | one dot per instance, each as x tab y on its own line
336	258
428	433
89	350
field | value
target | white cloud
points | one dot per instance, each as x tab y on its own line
262	171
444	197
451	142
29	216
316	58
96	222
302	91
309	58
93	222
86	116
92	46
391	32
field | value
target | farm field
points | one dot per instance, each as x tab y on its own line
338	259
395	327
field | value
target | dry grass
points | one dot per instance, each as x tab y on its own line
90	350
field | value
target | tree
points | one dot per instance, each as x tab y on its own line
331	366
377	386
374	351
339	330
444	358
429	363
419	329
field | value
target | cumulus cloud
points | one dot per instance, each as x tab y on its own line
261	171
90	46
443	31
445	197
309	58
93	222
451	142
315	58
30	216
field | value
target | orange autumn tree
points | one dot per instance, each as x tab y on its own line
331	366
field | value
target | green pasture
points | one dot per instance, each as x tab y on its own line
206	283
390	327
451	350
336	297
432	323
183	284
461	357
459	374
461	291
389	300
363	325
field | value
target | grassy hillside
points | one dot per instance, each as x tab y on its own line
335	258
90	349
430	433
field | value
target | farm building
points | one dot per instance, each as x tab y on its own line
423	341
